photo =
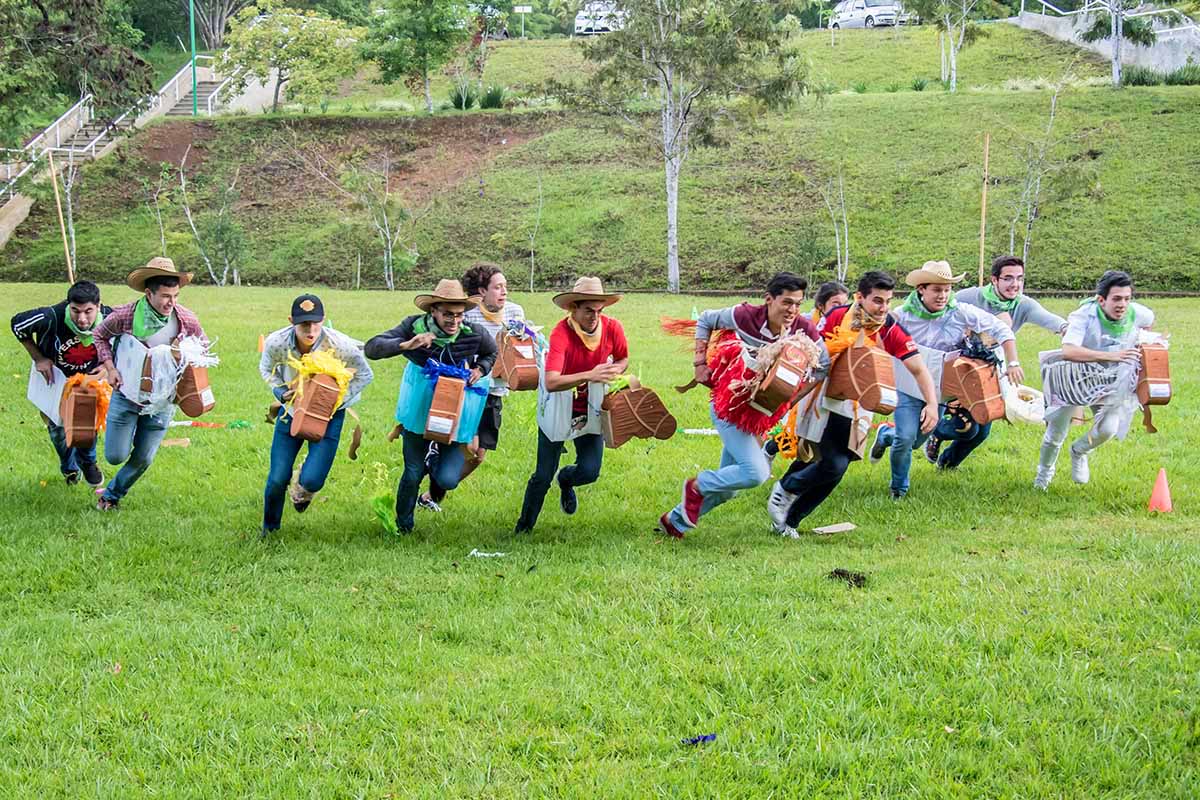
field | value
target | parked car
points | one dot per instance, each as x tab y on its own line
864	14
598	17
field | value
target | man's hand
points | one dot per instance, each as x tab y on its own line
929	418
475	376
45	368
114	377
474	451
1016	375
419	341
604	373
98	372
1130	356
702	374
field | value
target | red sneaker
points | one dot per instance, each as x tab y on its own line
664	525
692	500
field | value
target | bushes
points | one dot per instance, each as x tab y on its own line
1184	76
859	88
463	97
1140	76
919	84
493	97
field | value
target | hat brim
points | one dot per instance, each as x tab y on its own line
136	280
920	277
428	301
565	299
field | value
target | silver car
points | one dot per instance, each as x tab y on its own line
864	14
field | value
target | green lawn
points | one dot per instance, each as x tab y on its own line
1007	644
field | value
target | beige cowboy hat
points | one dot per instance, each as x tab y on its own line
933	272
156	268
585	289
447	290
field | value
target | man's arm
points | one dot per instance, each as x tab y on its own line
104	333
485	357
399	339
1038	315
1077	353
28	324
363	374
708	321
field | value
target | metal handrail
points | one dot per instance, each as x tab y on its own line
214	98
84	104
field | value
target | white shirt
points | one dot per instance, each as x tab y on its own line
1084	328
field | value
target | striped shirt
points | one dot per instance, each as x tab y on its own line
510	312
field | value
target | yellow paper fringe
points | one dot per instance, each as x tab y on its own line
320	362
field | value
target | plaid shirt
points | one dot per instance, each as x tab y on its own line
511	312
120	322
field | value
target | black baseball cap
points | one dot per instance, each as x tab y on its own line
307	308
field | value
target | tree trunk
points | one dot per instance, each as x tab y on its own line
942	45
279	79
672	168
1118	31
428	96
953	62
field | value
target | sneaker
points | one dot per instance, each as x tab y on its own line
785	530
567	500
770	449
521	529
898	494
93	475
778	505
664	525
104	504
1079	467
878	448
931	450
428	503
692	500
1042	479
301	498
71	477
265	534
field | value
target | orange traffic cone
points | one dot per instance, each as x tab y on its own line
1160	498
261	342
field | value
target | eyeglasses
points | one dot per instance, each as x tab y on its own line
452	314
1012	279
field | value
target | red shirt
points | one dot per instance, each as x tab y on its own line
568	355
891	337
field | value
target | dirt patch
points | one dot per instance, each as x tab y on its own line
168	142
856	580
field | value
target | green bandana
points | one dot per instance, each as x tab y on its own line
147	321
994	299
426	324
86	338
914	306
1116	328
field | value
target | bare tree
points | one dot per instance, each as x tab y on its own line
221	237
153	195
70	182
537	224
212	17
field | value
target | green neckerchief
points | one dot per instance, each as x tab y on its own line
147	321
425	324
1116	328
914	306
994	299
86	338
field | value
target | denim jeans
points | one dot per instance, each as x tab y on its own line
284	449
70	459
743	466
906	435
589	457
814	481
131	439
447	471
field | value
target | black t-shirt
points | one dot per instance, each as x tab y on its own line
47	328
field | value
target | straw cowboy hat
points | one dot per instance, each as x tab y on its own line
585	289
447	291
156	268
933	272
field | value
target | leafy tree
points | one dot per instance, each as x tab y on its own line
305	50
957	21
695	60
1110	17
413	38
55	48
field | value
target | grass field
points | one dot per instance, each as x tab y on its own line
1007	643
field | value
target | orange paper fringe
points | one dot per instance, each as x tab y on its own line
103	392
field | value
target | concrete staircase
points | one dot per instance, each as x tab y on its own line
204	91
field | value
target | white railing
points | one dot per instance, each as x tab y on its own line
214	98
181	85
1188	24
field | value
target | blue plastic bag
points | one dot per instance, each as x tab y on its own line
416	396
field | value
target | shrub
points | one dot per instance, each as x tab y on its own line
919	84
493	97
860	87
893	88
1184	76
462	97
1140	76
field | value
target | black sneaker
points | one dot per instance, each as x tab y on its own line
93	475
71	477
879	447
897	494
931	449
428	503
568	500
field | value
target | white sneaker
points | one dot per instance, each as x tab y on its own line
785	531
1079	467
778	505
1043	478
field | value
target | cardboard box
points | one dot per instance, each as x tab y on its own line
782	382
78	411
193	394
314	409
516	362
445	411
634	412
864	374
976	386
1154	376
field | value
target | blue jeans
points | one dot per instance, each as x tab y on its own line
906	435
131	439
70	459
447	471
743	466
284	449
589	457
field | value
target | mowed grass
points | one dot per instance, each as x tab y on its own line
1007	643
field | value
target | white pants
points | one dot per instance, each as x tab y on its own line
1106	423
